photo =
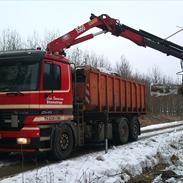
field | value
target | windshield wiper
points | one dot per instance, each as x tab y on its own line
16	93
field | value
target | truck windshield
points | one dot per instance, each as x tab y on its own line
19	76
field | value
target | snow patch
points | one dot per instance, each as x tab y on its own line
118	165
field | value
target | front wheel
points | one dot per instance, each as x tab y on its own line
62	142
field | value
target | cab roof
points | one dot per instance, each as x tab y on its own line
30	55
37	54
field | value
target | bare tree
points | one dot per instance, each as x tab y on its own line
48	37
156	75
76	56
80	57
96	61
10	40
123	68
33	41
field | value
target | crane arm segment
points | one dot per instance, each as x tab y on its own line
103	22
152	41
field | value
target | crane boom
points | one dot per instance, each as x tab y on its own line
152	41
108	24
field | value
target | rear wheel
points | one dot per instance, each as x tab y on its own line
134	129
121	131
62	142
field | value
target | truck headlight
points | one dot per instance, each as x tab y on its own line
23	141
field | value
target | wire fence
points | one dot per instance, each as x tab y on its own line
169	105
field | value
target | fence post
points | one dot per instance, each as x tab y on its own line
106	130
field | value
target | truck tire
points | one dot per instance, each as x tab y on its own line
134	129
121	131
62	142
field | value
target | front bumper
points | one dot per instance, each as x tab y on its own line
10	145
8	140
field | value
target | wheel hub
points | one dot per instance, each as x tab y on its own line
64	141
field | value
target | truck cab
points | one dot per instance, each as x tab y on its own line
35	95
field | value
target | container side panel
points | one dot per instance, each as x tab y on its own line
103	91
134	103
117	93
80	92
128	93
144	87
93	89
110	92
143	97
138	96
123	95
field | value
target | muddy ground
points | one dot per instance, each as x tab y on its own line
149	175
150	119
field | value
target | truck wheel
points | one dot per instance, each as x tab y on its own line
134	127
62	142
121	131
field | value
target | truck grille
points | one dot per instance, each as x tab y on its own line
11	119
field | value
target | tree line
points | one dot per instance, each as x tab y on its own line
12	40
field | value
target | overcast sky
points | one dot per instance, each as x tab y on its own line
157	17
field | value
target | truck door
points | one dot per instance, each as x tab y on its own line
56	91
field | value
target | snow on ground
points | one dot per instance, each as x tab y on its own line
174	159
161	128
152	127
6	163
118	165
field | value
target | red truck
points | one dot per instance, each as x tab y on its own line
45	105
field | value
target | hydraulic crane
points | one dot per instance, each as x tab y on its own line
108	24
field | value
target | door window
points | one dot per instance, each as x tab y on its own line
52	77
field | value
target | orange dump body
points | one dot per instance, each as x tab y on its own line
100	91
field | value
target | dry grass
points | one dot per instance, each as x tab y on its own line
148	175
